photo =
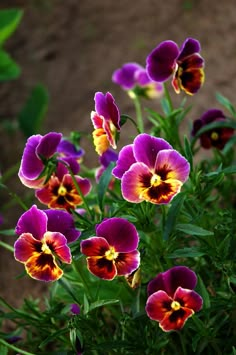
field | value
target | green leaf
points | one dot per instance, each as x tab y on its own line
193	230
226	103
32	114
9	70
102	303
186	253
103	185
53	336
204	293
9	20
172	215
188	151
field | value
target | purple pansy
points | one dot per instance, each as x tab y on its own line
150	170
171	298
133	77
105	159
113	251
43	238
184	64
217	137
106	122
38	150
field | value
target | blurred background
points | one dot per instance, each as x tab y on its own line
72	47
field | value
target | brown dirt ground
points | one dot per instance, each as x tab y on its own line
73	47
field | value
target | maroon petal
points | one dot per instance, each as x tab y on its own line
101	267
33	221
94	246
126	263
188	299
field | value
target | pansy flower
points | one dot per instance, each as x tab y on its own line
42	243
150	170
113	251
106	122
61	192
171	298
184	64
133	78
37	153
216	137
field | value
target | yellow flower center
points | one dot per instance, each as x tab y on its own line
175	305
155	180
45	249
111	254
214	136
62	191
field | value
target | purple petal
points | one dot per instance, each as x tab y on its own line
146	148
142	78
48	144
75	308
125	160
31	165
211	116
126	263
125	76
62	222
173	164
120	233
170	280
107	157
68	149
33	221
106	107
189	47
161	61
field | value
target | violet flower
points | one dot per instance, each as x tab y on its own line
150	170
113	251
216	137
171	298
43	238
184	64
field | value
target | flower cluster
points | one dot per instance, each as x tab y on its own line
135	219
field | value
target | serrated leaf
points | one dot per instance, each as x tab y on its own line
186	253
9	69
32	114
9	20
193	230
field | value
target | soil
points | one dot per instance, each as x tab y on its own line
72	47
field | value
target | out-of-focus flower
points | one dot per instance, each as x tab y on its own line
37	152
41	243
185	65
171	298
105	159
68	153
61	192
113	252
134	279
133	78
217	137
106	122
150	170
75	308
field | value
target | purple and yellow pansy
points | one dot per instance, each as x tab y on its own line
113	251
171	298
185	65
150	170
106	122
42	243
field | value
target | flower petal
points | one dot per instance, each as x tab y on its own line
147	147
125	160
33	221
94	246
161	62
31	165
119	233
188	298
48	144
57	243
101	267
172	165
26	246
175	320
158	304
106	107
62	222
126	263
171	279
125	76
189	47
43	267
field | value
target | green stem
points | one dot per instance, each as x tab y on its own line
83	279
12	347
168	98
10	172
6	246
139	116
